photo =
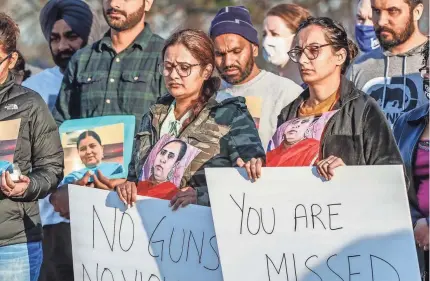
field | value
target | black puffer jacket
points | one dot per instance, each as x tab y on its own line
38	154
358	132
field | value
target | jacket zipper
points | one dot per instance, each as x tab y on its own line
329	123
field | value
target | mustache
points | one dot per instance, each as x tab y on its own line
64	55
113	10
384	29
231	67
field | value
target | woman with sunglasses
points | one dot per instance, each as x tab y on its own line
38	159
412	134
357	132
219	125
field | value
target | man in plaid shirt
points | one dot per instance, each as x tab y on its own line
118	74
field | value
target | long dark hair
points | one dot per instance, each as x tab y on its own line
335	35
202	49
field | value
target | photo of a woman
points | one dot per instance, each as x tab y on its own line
163	171
159	184
91	152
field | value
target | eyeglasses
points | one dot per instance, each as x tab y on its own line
311	51
3	60
183	69
424	71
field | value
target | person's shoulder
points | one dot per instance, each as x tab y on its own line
42	78
366	60
283	85
227	108
156	42
84	54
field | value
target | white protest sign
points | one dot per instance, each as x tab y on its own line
147	242
291	225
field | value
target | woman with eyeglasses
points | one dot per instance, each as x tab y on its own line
38	168
219	125
356	131
412	134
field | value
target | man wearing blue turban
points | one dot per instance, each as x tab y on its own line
66	25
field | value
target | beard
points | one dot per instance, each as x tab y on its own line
243	73
62	59
398	39
130	20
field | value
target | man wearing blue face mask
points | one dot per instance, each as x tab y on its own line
364	31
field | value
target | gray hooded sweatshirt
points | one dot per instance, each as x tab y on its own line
392	80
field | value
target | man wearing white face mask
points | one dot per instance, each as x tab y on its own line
280	25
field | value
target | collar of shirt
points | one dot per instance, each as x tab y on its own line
170	125
140	41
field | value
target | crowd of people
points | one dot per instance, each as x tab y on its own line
330	104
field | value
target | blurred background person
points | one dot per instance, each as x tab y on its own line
412	134
364	31
236	48
280	26
38	155
66	25
391	77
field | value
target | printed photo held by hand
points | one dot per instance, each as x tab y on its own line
297	141
93	152
8	139
164	168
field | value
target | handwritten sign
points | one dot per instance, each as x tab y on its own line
147	242
291	225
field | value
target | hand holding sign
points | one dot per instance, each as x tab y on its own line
326	166
253	167
421	232
183	198
127	192
60	200
11	188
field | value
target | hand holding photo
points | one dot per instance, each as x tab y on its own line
165	166
94	150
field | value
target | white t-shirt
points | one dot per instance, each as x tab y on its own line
276	93
47	83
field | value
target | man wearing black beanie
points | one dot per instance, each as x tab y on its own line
236	47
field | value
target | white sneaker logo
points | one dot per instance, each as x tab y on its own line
11	107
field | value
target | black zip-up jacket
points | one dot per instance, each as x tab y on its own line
358	132
38	154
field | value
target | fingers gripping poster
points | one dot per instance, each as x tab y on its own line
165	167
100	146
148	242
